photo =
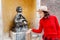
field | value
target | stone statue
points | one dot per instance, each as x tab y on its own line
20	21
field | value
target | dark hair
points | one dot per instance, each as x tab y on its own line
46	14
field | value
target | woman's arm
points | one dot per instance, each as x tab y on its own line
57	25
39	30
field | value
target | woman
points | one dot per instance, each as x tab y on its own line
49	23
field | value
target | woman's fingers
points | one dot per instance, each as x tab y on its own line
29	31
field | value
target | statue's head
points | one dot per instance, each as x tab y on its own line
19	9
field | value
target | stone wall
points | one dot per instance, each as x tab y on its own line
53	6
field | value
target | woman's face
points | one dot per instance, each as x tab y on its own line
41	13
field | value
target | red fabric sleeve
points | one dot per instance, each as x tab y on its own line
39	30
57	25
59	33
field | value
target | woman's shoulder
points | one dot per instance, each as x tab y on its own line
50	17
53	16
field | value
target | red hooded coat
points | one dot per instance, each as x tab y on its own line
50	26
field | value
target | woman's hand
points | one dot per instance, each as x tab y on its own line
29	31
